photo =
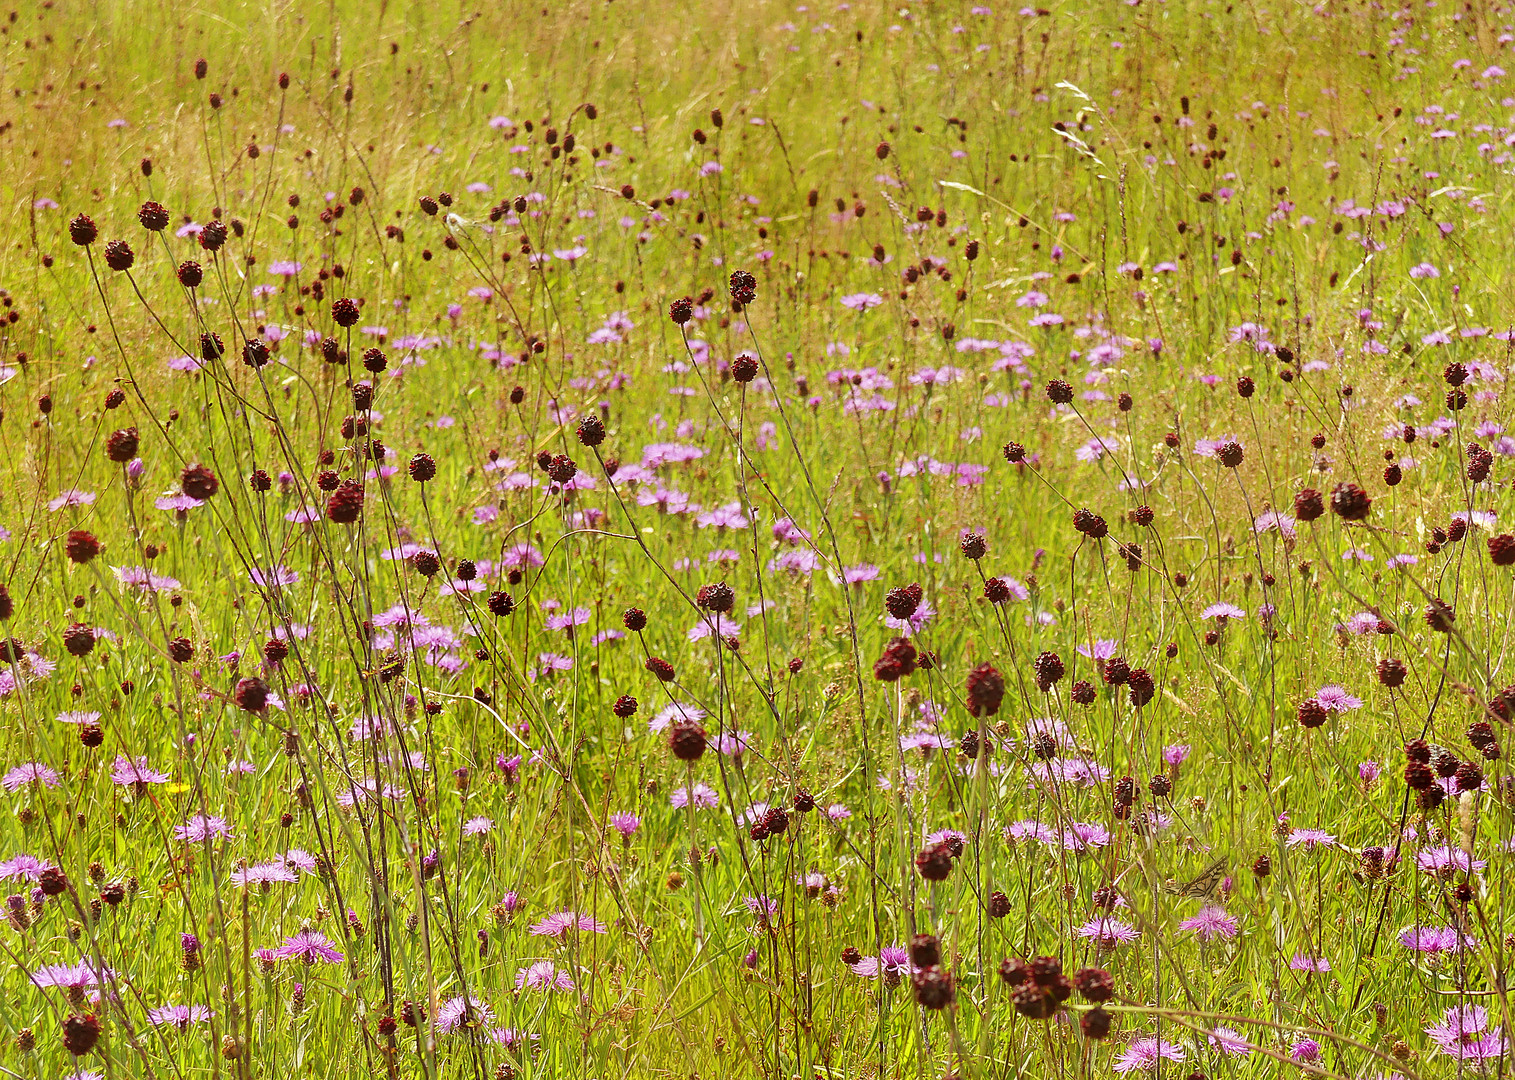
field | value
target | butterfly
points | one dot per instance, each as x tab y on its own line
1204	885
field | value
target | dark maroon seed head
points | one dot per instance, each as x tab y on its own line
118	256
1350	502
422	468
935	862
83	230
80	1033
743	288
561	469
1391	672
345	505
81	546
1048	667
344	312
925	950
591	430
985	690
121	446
153	216
198	482
1311	713
212	235
251	695
1059	392
687	740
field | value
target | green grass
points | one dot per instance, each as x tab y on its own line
1218	150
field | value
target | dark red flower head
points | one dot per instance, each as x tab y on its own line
80	1033
634	619
1090	524
83	230
1439	616
501	604
933	988
251	694
898	661
255	353
422	468
344	311
901	602
1311	713
686	738
718	597
681	310
426	563
190	274
561	469
79	639
153	216
1059	392
1308	505
625	706
118	255
985	690
1350	502
121	446
198	482
81	546
1049	669
346	503
52	881
212	235
591	430
744	369
935	862
660	668
743	288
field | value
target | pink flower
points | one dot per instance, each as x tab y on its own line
543	975
1143	1054
559	923
309	946
1211	922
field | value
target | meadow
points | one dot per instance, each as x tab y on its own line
764	540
